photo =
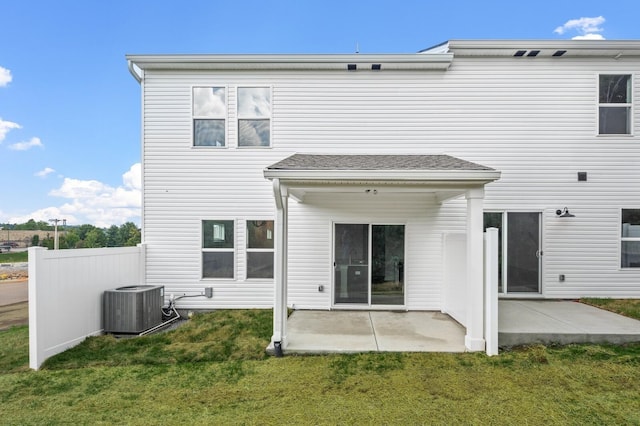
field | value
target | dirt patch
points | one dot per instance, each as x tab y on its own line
13	271
13	315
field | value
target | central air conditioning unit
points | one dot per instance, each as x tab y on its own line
132	309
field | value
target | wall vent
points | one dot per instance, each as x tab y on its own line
132	309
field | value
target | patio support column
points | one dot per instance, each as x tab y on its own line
474	339
280	266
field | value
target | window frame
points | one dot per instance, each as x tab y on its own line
249	249
233	250
626	239
224	117
620	105
240	116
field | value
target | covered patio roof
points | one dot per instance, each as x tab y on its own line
443	174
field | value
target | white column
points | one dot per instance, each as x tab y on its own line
491	262
474	339
280	266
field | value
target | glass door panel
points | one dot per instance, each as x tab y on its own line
523	252
387	265
351	265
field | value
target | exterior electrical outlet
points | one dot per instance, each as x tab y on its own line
208	292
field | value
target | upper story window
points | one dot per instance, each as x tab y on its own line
254	116
630	244
209	116
614	114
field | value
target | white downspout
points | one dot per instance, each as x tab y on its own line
280	271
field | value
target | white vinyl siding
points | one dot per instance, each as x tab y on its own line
532	120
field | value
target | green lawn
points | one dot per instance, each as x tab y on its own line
13	256
213	370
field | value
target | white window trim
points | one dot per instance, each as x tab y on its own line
239	117
621	239
630	105
233	250
197	117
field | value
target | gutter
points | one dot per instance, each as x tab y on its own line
132	70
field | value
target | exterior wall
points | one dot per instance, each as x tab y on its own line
534	119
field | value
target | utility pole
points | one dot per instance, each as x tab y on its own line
56	244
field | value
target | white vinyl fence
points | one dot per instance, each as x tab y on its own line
65	294
455	283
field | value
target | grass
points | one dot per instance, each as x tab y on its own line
626	307
14	256
213	370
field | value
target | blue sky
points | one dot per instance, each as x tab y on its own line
70	110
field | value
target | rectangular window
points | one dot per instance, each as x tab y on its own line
630	239
218	249
614	112
254	116
259	249
209	116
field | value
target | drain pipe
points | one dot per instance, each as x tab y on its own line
277	349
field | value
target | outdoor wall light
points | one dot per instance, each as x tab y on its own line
564	213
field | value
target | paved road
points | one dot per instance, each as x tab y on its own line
13	292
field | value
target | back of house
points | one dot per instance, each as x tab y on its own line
382	161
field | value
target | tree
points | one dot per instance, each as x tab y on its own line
35	240
95	238
114	239
129	234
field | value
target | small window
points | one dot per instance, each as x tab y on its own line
218	249
254	117
209	116
630	244
614	115
259	249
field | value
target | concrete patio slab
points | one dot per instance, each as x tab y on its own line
371	331
523	322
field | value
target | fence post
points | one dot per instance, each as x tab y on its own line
36	343
491	290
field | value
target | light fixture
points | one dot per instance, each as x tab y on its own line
564	213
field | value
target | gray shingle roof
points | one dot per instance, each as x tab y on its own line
374	162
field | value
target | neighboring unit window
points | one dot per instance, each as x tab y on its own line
254	116
259	249
630	244
209	116
217	249
615	104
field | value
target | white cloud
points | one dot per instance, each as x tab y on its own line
94	202
588	37
5	127
133	178
23	146
5	77
44	172
588	28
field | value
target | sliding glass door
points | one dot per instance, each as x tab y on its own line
369	264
